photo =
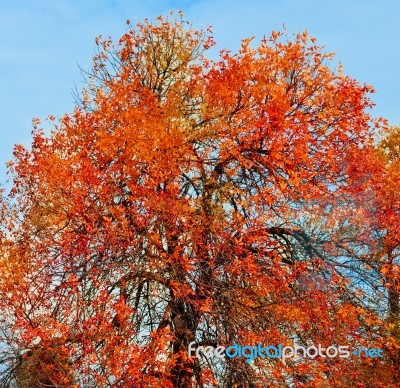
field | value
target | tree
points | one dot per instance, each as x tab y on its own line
182	202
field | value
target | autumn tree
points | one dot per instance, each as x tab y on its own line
184	200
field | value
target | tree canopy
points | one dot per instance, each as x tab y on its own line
241	200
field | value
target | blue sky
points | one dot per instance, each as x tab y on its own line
43	40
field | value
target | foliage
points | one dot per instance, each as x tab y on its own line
219	202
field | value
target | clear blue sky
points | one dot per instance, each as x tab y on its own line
43	40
